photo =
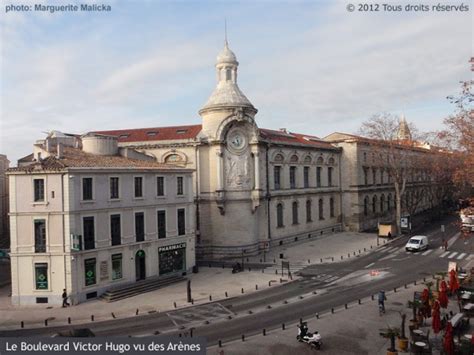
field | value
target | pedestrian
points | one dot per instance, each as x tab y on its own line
445	244
382	298
65	302
389	235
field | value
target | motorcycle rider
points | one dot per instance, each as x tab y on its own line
303	330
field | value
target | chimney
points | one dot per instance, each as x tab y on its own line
60	152
284	130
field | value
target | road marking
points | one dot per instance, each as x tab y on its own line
470	257
444	254
334	278
461	256
452	255
427	252
382	249
369	265
392	249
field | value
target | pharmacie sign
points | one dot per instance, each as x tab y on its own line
172	247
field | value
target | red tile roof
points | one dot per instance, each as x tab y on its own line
295	138
154	133
76	158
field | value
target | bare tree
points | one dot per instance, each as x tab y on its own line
400	158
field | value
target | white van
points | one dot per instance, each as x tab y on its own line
416	243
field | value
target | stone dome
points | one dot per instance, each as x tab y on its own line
226	55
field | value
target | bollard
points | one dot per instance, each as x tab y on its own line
243	337
415	282
342	257
256	287
220	343
264	332
269	307
68	320
276	272
22	324
283	326
315	293
285	302
174	303
359	251
424	279
354	253
332	310
210	297
209	264
348	255
406	286
394	289
249	270
360	301
242	290
309	262
263	271
371	247
317	315
281	280
136	312
321	260
372	297
223	265
45	322
226	294
332	257
92	318
113	315
364	249
192	300
345	306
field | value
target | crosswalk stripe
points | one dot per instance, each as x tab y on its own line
382	249
427	252
461	256
444	254
452	255
470	257
392	249
331	279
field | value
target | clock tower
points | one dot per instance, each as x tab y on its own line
230	168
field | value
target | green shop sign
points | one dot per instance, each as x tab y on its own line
41	277
90	272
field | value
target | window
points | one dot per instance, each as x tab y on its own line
308	211
292	177
276	176
40	236
306	176
41	276
365	157
89	232
228	75
330	176
321	208
138	186
179	186
381	176
374	204
279	215
318	176
160	186
382	203
115	232
161	222
90	272
331	207
116	266
389	202
374	176
295	212
39	190
181	221
366	205
87	189
366	176
140	226
114	188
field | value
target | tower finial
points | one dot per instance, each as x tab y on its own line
225	30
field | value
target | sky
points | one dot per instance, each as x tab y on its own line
309	66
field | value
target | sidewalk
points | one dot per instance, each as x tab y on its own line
214	282
352	331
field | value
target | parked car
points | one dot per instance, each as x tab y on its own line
417	243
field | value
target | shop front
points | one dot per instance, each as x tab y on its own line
172	258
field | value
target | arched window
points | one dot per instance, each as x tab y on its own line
279	215
366	205
307	159
308	211
173	159
330	169
382	203
321	209
331	161
374	176
374	204
320	161
331	207
294	158
278	158
295	212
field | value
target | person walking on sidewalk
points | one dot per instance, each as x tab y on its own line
445	244
382	298
65	302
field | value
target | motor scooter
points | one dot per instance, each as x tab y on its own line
312	339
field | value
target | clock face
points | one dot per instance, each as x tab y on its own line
237	141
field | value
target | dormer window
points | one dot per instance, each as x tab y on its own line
123	136
151	133
181	131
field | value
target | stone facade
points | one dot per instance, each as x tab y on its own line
4	223
87	223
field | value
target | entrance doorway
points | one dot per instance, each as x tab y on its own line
140	269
